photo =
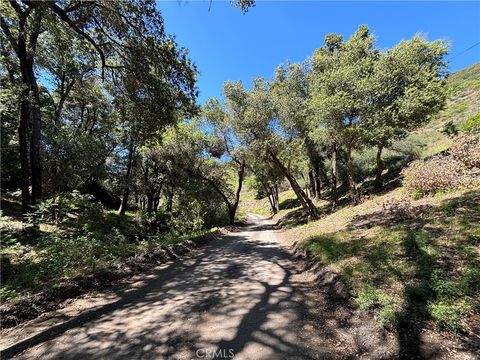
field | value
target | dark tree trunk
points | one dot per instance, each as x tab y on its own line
126	191
156	201
334	175
318	182
23	144
380	168
232	210
306	202
150	201
231	215
169	207
275	197
314	188
34	118
30	116
351	177
311	184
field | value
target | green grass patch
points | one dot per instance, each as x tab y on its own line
424	268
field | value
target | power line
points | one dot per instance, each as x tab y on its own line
464	51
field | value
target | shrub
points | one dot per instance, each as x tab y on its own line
85	250
68	205
466	149
472	125
428	177
449	129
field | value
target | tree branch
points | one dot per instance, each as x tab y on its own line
63	15
6	31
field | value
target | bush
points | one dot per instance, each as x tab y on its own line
428	177
449	129
459	168
68	206
466	149
472	125
84	250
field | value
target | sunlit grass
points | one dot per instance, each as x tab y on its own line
405	270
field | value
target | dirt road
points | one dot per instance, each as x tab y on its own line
242	296
239	296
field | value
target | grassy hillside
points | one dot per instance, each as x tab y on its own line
406	260
463	102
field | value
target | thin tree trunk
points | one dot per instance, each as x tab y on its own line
126	191
317	181
306	202
313	184
270	197
233	210
351	177
169	207
334	175
276	199
380	168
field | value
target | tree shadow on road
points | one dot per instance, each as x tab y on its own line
225	278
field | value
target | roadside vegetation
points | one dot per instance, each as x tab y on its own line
410	253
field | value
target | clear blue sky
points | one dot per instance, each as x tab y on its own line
227	45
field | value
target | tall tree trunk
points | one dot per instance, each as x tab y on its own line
313	187
23	144
380	168
30	115
29	81
233	209
306	202
351	176
276	199
126	191
334	175
150	204
317	181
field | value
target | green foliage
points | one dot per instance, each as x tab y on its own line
367	298
446	314
449	129
78	236
472	125
66	207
